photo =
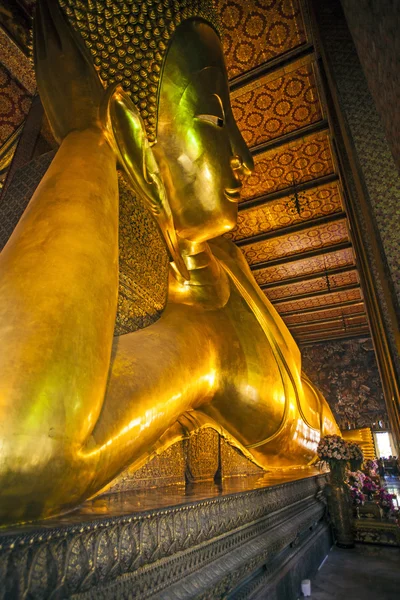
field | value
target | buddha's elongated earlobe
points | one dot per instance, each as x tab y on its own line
126	133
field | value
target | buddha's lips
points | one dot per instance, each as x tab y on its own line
233	195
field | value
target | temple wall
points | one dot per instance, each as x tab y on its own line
374	26
372	184
347	374
372	159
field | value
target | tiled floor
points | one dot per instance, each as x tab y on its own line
364	573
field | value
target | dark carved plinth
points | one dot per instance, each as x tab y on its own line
235	545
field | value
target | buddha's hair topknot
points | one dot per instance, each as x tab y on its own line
128	40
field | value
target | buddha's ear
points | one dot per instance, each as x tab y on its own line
127	135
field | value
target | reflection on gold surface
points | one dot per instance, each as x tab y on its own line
79	407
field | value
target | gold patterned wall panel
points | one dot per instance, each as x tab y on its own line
277	104
296	243
314	285
328	313
318	301
143	265
256	31
318	202
304	267
303	160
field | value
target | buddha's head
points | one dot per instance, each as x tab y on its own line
167	56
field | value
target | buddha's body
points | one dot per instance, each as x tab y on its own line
78	407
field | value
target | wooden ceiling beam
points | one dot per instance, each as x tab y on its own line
301	256
325	321
308	277
295	297
303	226
288	191
293	136
275	64
312	309
339	330
352	336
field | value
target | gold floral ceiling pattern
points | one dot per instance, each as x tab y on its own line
318	301
296	243
277	104
292	225
256	31
313	285
325	313
277	214
14	104
302	160
305	267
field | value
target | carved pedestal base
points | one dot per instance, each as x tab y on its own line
255	543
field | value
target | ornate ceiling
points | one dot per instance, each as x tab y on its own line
299	249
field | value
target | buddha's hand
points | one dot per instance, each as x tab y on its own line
69	87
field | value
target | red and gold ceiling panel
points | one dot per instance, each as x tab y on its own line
277	104
327	313
304	267
343	323
324	334
276	214
14	104
256	31
318	301
302	160
296	243
313	285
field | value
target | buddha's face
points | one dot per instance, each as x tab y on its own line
199	148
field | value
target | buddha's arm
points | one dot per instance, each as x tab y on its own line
58	295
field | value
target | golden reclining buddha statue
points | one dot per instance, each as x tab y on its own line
78	405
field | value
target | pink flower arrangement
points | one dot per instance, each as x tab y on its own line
357	496
385	500
355	479
369	487
371	466
333	448
355	451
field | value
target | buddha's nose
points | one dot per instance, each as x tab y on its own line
242	161
239	166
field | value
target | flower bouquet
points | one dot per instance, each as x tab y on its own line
371	466
356	456
385	501
334	450
357	496
355	479
369	487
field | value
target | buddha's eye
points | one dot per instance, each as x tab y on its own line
218	121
